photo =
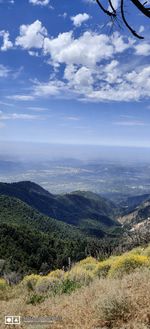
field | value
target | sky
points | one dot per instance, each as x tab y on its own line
69	76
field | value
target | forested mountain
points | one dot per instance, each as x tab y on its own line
86	210
34	236
30	240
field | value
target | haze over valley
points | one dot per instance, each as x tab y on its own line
111	171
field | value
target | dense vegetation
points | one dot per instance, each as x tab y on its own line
32	242
113	293
90	212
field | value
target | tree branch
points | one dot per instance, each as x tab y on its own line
141	7
112	7
126	23
107	12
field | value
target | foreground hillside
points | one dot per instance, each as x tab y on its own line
114	293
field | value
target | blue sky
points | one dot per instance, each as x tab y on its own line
68	76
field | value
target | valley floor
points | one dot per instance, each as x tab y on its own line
106	303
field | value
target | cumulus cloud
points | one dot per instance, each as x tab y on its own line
52	88
40	2
79	19
80	79
88	49
98	85
89	66
31	36
7	44
142	49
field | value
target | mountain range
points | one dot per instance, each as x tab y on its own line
90	212
42	230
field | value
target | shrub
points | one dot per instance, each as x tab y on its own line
36	299
80	275
146	252
30	281
68	286
127	263
48	284
113	306
59	274
42	285
3	284
135	251
88	261
102	269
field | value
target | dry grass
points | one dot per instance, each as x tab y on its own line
106	303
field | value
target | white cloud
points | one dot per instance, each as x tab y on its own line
7	1
89	1
7	44
142	49
98	85
4	71
79	19
141	29
17	116
37	108
31	36
89	49
72	118
80	79
64	15
21	97
52	88
40	2
90	67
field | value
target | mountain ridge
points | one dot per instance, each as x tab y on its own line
75	208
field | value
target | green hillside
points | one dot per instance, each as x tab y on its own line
90	212
29	239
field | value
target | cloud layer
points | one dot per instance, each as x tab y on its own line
89	67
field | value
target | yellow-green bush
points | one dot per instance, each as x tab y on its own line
30	281
88	260
127	263
3	284
146	251
135	251
59	274
48	284
80	275
103	268
42	285
88	263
